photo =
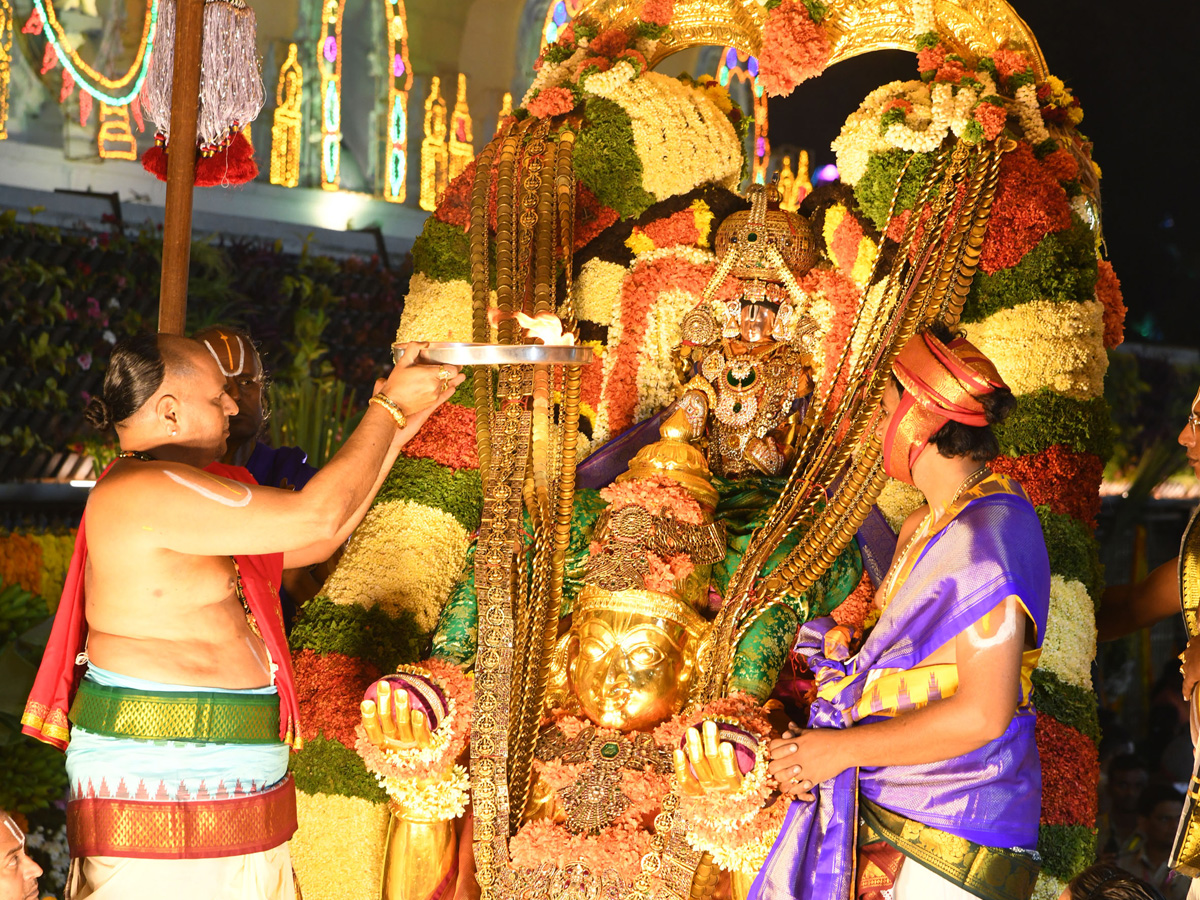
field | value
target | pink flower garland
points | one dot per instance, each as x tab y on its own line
794	49
658	495
992	118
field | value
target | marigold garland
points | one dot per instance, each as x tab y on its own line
404	556
329	688
21	562
1064	479
852	611
339	847
1070	643
848	245
436	310
1108	292
1069	340
1069	759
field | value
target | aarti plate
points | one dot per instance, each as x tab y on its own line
461	354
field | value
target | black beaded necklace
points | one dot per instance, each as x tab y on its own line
135	454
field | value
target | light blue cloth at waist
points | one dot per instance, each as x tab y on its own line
106	766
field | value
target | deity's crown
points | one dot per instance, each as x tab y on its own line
751	234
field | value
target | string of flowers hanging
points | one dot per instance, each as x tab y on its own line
231	93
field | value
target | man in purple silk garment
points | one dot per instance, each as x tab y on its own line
918	777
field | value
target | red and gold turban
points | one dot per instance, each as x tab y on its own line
942	383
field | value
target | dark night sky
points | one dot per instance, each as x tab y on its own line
1133	68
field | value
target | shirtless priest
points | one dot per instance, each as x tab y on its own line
925	735
168	655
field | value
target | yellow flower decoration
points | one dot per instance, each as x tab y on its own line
436	311
338	849
897	501
1045	344
1070	644
404	556
597	290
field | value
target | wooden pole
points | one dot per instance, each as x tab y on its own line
181	166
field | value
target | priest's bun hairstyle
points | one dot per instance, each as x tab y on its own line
134	373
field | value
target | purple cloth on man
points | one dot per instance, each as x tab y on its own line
994	548
281	467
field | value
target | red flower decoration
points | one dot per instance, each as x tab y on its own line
844	295
992	118
1063	479
1108	292
853	610
455	208
1029	205
447	438
329	689
931	58
591	216
658	12
674	230
554	101
610	42
952	71
1062	164
794	49
1069	760
1010	62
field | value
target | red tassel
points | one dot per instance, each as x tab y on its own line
68	85
154	161
85	107
33	25
233	165
135	109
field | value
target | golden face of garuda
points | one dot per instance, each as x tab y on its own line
629	670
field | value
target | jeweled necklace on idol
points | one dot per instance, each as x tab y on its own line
901	558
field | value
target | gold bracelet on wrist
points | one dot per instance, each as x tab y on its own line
388	404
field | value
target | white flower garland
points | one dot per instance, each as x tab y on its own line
923	21
897	501
860	136
1030	115
681	137
658	384
432	800
1070	644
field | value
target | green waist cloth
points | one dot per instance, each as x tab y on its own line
990	873
192	716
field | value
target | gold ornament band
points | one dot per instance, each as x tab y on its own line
645	603
389	405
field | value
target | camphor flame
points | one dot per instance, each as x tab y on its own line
545	327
